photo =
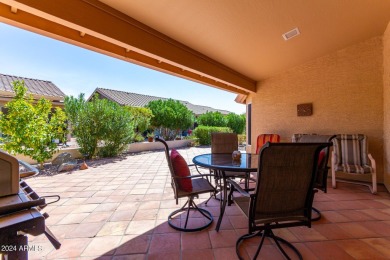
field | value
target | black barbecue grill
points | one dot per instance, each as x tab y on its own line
20	209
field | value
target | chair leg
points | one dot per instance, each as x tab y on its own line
317	213
187	208
285	242
270	234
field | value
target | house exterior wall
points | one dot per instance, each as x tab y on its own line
345	88
386	104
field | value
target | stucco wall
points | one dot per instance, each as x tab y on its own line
386	107
346	89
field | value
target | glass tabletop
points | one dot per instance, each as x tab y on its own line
224	162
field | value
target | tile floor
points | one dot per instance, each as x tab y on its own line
119	210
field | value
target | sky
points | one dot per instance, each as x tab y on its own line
76	70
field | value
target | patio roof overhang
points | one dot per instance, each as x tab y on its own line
232	46
121	37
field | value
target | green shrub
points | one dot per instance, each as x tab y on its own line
203	133
236	122
30	127
212	119
99	121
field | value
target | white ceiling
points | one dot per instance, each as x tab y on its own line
246	35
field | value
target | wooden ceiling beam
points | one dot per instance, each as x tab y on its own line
98	27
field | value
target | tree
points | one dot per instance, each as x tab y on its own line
212	119
170	116
142	117
236	122
30	128
99	121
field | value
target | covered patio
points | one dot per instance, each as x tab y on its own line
119	209
339	63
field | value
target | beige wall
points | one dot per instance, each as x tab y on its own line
346	89
386	107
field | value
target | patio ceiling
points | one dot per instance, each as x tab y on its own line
227	44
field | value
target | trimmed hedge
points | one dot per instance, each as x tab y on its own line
203	133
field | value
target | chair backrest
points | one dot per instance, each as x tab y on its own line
351	149
286	175
224	142
322	173
174	183
263	138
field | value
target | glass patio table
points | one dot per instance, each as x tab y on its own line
222	163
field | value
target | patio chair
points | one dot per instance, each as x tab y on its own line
284	192
185	185
264	138
350	155
227	143
323	168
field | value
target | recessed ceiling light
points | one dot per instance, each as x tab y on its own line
291	34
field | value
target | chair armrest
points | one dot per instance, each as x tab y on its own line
239	189
372	160
193	176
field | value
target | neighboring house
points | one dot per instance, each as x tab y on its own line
138	100
38	89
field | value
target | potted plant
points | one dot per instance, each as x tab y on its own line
150	137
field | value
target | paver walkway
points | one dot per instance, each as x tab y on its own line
119	210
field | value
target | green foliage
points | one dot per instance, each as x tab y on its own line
236	122
99	121
212	119
203	133
170	116
30	128
241	138
142	117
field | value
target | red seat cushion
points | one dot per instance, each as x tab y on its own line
181	169
321	157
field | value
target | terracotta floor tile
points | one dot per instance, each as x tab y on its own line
85	230
306	234
143	214
357	230
377	214
164	256
107	207
238	221
133	244
140	227
97	217
223	238
113	228
380	244
194	254
165	243
130	257
122	215
227	253
100	246
85	208
332	231
73	218
70	248
354	223
328	250
195	240
381	228
359	250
